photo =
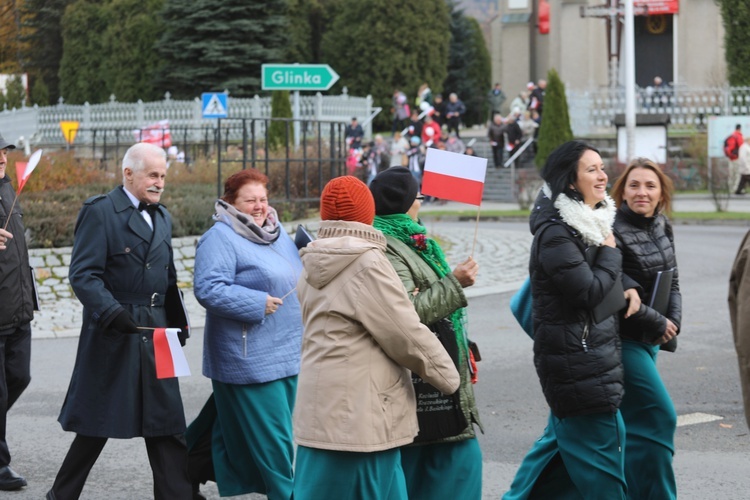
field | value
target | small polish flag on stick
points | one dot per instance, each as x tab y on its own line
168	353
23	171
454	176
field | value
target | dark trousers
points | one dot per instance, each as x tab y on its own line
453	123
497	154
744	179
15	356
166	454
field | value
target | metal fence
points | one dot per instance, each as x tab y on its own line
40	126
593	111
301	171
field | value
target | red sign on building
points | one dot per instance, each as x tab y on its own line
658	6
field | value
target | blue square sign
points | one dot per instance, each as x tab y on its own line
214	105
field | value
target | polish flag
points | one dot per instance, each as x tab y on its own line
156	133
24	169
454	176
168	353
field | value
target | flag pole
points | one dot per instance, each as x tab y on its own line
476	230
10	212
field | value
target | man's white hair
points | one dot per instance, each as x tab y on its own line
136	156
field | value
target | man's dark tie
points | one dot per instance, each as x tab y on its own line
149	207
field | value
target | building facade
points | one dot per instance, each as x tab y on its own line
681	41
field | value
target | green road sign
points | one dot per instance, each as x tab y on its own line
297	77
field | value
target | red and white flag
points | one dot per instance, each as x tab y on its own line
24	169
168	353
454	176
157	134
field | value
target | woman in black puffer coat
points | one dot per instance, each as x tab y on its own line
580	454
644	236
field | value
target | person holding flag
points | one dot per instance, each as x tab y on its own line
16	313
445	460
122	270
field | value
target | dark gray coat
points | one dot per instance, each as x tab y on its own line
114	391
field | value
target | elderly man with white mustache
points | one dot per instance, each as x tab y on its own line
122	271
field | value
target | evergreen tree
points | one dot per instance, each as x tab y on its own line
217	45
377	46
15	93
10	24
40	92
281	107
307	19
468	66
555	128
132	61
736	17
109	48
81	76
42	41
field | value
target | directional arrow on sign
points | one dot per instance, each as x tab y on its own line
297	77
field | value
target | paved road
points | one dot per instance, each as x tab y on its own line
711	460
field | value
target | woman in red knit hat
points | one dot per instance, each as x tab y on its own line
355	402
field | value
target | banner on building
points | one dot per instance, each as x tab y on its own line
656	7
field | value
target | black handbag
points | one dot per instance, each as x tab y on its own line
439	415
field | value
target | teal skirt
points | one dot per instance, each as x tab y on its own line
443	470
327	474
650	423
576	458
252	446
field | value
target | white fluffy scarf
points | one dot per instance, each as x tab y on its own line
593	224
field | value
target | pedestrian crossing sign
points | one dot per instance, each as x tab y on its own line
214	105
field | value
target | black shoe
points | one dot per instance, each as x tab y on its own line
9	480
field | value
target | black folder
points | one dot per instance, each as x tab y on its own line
659	300
614	301
302	237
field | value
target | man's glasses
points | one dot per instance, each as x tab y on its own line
420	197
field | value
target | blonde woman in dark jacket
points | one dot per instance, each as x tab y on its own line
644	236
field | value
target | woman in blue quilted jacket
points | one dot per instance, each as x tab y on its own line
246	270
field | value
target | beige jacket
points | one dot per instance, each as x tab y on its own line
362	336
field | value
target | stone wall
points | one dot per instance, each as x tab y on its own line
51	266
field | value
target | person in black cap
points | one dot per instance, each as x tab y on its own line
448	461
16	313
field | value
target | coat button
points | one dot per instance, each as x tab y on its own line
148	265
127	249
145	339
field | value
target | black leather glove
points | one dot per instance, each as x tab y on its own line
123	323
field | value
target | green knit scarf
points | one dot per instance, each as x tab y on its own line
412	233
